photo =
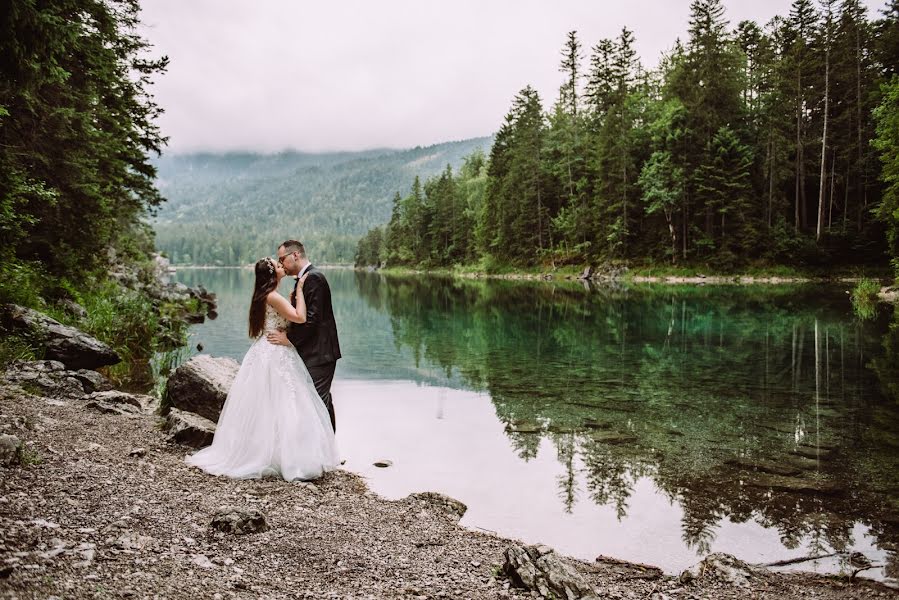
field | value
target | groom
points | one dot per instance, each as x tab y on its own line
316	339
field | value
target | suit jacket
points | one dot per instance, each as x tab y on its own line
316	339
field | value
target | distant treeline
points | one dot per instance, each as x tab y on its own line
231	209
773	145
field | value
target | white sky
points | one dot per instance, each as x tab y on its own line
269	75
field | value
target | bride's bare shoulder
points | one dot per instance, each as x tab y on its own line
274	298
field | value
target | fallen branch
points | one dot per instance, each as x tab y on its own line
792	561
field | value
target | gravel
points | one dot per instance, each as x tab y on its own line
104	507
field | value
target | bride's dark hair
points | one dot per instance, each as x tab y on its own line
266	282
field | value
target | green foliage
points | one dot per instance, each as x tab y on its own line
886	116
370	249
13	347
162	365
712	159
76	182
22	283
76	128
864	298
31	457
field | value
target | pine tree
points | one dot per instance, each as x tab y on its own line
76	131
800	26
513	216
827	34
886	116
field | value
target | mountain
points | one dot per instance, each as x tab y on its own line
230	209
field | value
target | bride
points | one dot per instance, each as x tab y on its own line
273	421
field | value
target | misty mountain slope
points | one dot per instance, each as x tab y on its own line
230	209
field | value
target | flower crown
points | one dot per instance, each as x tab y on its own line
271	265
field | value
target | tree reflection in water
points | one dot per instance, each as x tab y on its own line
746	403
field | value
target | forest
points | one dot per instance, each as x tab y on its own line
774	144
76	135
77	184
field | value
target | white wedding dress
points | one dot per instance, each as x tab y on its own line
273	422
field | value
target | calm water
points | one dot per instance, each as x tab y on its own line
652	424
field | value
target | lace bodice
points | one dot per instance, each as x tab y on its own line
273	321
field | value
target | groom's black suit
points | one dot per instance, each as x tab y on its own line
316	339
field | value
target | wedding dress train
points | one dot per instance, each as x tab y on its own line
273	421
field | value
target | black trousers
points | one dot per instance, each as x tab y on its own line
322	376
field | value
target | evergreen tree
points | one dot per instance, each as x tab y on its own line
725	183
76	130
886	116
800	27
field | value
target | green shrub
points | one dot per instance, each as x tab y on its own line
14	347
864	298
22	283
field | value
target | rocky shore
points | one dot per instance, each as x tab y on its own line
97	502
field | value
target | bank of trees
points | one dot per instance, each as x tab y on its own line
746	144
76	131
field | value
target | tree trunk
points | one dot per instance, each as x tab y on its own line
833	168
846	195
624	205
798	181
858	102
823	182
669	218
769	149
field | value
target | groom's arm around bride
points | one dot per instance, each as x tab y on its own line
316	339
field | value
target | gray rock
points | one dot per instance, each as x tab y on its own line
70	346
539	568
189	429
91	381
73	308
10	450
112	409
721	567
234	519
44	377
140	402
451	506
201	385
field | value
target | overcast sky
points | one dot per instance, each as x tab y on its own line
270	75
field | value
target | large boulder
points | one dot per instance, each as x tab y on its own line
722	568
189	429
68	345
539	568
201	385
115	401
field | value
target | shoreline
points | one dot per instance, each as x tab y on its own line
629	278
103	494
625	276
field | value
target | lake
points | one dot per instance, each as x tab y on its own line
653	424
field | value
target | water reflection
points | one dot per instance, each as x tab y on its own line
652	424
751	404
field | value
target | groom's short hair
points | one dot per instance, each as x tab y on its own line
294	246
